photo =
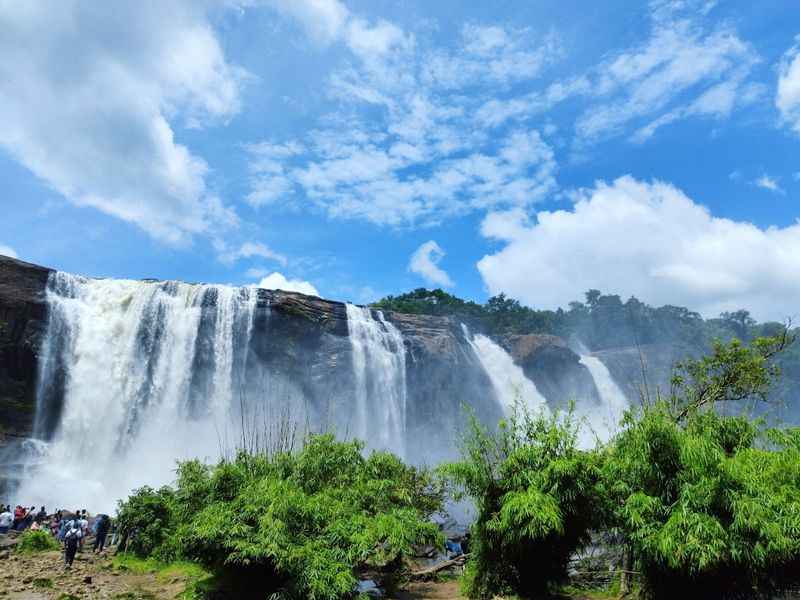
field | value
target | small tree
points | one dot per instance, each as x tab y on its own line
534	492
709	504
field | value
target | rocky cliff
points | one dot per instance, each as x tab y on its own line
23	314
556	370
303	342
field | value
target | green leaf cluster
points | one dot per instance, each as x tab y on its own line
711	507
297	525
534	492
708	504
33	542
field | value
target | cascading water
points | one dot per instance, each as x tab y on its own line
605	421
133	376
379	367
508	380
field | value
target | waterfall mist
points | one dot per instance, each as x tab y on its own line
605	419
134	375
379	369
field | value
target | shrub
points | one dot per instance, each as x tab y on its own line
297	525
146	522
534	492
31	542
705	510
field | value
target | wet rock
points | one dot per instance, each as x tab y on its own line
553	367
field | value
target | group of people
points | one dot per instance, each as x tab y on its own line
70	528
21	519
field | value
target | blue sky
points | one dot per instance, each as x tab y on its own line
364	148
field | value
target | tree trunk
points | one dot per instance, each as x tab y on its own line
625	574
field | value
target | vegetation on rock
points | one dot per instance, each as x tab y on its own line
708	505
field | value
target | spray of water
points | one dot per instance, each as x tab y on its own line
605	419
146	375
379	369
508	380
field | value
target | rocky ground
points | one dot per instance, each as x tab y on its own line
43	577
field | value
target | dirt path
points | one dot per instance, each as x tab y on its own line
43	577
447	590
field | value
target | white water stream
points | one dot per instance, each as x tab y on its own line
149	377
508	380
605	420
379	368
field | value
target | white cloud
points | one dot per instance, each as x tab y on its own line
8	251
248	250
277	281
87	95
787	98
425	262
768	183
649	240
681	69
423	159
323	20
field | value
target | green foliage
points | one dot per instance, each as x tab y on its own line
731	372
32	542
298	525
710	504
197	580
534	492
146	521
706	510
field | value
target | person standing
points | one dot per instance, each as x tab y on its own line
103	525
6	520
83	523
72	538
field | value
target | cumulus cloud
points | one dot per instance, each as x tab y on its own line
248	250
649	240
88	93
277	281
7	251
425	262
787	98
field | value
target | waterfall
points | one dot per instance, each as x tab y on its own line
379	369
605	421
508	380
133	376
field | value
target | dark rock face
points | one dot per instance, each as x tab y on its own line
553	367
23	316
299	346
444	378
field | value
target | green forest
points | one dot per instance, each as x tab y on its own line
697	503
600	321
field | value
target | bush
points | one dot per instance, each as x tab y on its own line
706	511
297	525
146	522
31	542
535	495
